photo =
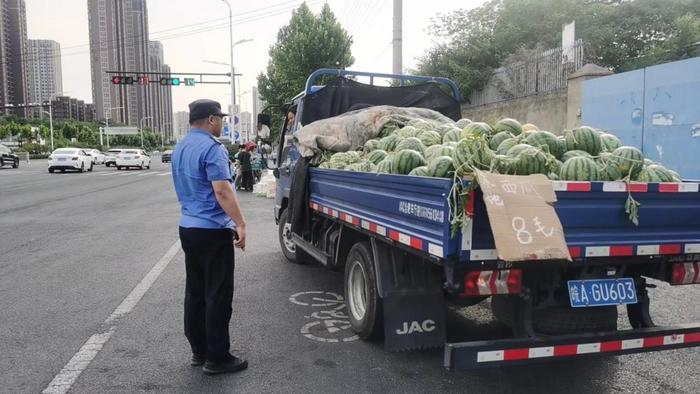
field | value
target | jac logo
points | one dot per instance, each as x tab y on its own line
414	326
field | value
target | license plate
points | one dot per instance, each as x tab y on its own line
600	292
61	159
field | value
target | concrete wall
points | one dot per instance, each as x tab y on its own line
547	112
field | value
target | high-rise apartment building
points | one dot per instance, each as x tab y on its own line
45	78
182	124
13	52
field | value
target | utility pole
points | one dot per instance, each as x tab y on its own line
398	40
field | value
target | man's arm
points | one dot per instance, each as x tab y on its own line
228	201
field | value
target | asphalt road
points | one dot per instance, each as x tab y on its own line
73	246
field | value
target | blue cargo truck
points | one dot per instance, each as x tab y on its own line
403	264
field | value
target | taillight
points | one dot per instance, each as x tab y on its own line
75	158
137	157
685	274
481	283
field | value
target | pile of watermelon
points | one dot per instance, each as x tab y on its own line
424	148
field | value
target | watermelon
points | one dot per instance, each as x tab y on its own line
649	162
502	164
363	166
555	166
676	176
529	127
462	123
584	138
411	143
504	146
510	125
406	160
574	153
528	160
655	173
444	129
408	131
434	151
420	171
376	156
473	152
629	159
477	129
542	139
389	128
579	168
610	142
421	124
341	160
371	145
499	137
389	143
430	137
385	166
453	135
441	167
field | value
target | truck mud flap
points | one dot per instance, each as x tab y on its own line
497	353
413	300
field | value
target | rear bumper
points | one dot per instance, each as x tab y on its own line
130	163
72	165
497	353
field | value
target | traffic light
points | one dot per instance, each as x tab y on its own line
170	81
121	80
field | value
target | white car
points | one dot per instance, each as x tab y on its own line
70	159
133	158
97	156
111	157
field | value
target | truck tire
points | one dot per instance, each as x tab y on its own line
562	319
363	304
290	251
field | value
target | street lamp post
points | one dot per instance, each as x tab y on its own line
50	113
233	72
162	135
141	127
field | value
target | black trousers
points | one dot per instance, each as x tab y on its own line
247	180
209	263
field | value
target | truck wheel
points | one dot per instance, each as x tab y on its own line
561	319
15	164
289	249
363	304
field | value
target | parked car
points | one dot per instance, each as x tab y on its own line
70	159
167	156
7	158
97	156
133	158
111	157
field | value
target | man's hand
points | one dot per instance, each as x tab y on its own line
239	242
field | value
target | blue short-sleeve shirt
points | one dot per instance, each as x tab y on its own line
198	160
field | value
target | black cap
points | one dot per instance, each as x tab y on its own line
200	109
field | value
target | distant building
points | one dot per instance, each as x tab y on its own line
182	124
258	104
14	64
247	130
69	108
45	78
90	115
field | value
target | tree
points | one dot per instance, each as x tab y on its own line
617	34
307	43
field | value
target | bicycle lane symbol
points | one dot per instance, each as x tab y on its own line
327	325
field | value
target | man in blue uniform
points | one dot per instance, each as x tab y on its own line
210	225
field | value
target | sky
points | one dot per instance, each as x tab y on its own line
196	31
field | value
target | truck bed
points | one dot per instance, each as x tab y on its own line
414	212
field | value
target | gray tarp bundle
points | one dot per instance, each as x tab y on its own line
351	130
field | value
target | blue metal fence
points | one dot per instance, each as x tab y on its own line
656	109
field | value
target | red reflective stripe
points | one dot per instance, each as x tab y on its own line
514	281
653	342
637	187
469	207
492	282
394	235
373	227
416	243
575	251
611	346
669	187
578	187
565	350
621	251
355	220
697	273
516	354
670	249
692	337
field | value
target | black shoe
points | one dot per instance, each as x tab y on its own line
233	364
198	359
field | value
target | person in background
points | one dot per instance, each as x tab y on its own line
244	157
211	223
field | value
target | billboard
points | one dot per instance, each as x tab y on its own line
125	130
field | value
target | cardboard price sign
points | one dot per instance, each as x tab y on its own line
524	223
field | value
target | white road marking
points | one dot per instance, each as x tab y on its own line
165	173
147	173
65	379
